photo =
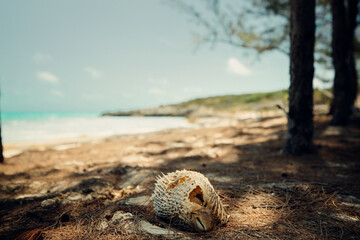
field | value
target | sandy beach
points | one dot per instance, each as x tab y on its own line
180	120
101	188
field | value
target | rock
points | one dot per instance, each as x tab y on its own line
120	216
79	197
74	196
102	225
137	201
128	224
155	230
125	221
49	203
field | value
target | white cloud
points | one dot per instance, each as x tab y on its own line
47	77
94	73
156	91
42	58
57	93
235	66
193	90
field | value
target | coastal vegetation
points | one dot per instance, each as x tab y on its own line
293	175
249	101
230	103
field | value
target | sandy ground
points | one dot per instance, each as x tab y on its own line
102	189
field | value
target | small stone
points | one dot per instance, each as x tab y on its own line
74	197
137	201
102	225
48	203
120	216
78	197
155	230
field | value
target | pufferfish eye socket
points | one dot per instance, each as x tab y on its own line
200	224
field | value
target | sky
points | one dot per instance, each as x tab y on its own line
87	55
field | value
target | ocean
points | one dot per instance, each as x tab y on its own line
40	127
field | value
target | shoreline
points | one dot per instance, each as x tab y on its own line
241	159
218	120
14	149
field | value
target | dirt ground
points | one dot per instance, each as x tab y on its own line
102	190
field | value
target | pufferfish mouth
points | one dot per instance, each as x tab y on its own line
203	227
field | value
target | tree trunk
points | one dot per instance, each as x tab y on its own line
345	81
352	11
1	149
302	37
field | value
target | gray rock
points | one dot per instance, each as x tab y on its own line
137	201
155	230
74	196
49	203
102	225
120	216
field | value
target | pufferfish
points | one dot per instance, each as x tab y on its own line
188	200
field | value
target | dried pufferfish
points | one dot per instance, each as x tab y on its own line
189	201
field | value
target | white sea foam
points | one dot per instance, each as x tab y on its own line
53	128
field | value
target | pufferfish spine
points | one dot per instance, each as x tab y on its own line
188	198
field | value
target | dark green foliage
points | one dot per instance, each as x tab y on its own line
249	101
236	101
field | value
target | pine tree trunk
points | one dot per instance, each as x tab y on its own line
344	64
1	149
352	11
302	37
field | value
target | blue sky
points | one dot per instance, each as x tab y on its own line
87	55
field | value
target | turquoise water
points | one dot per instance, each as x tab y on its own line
33	116
40	127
